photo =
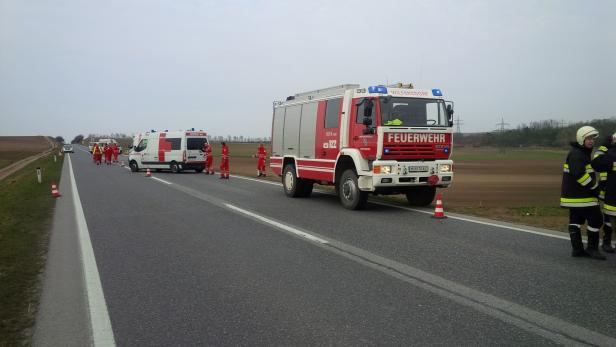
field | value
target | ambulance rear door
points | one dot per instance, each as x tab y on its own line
194	148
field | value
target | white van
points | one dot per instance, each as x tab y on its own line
172	150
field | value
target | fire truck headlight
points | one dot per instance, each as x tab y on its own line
382	169
444	168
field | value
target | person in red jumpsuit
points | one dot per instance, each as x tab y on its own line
209	159
96	154
224	162
115	151
108	152
261	155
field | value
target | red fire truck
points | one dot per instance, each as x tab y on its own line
380	140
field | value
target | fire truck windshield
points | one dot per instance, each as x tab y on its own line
413	112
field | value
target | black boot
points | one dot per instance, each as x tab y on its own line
576	242
593	246
607	239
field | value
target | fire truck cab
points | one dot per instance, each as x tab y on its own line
375	140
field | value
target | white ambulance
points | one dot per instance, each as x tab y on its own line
171	150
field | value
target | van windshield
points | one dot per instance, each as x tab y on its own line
413	112
195	143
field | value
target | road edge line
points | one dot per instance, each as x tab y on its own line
466	218
100	323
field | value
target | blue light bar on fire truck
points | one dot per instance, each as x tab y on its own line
437	92
377	89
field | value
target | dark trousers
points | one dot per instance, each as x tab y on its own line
591	215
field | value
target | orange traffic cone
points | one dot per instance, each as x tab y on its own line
54	191
148	173
438	209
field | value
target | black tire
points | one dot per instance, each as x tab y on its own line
421	196
199	170
348	191
174	167
306	188
133	166
295	187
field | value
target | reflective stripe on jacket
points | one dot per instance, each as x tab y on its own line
606	162
579	183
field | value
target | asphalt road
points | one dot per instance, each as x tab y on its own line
188	259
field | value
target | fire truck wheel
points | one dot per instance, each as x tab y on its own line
133	166
295	187
350	196
289	181
421	196
174	167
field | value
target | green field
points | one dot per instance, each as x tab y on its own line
8	158
481	154
239	150
26	209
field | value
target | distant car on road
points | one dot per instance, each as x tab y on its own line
68	149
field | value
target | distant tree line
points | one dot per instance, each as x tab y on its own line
77	139
545	133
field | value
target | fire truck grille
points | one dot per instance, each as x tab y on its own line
408	151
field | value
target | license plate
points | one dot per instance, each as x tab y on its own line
406	169
418	168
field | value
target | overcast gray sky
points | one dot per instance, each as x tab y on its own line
69	67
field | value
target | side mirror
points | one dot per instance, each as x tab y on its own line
450	112
368	131
368	108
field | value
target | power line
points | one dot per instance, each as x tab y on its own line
458	122
501	126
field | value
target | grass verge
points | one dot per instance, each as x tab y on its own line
547	217
26	209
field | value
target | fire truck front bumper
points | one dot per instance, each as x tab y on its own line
393	174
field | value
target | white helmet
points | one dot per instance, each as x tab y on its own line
584	132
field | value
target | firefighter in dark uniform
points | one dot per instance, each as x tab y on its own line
600	165
580	191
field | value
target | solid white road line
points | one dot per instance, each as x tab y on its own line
469	219
277	224
160	180
256	180
102	333
466	219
